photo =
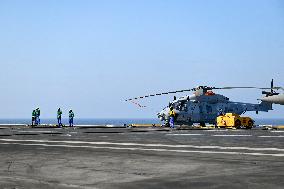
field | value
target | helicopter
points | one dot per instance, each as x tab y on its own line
204	105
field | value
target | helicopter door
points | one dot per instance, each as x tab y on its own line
202	113
195	113
209	112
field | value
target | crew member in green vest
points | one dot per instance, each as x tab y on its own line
37	116
59	113
33	117
71	116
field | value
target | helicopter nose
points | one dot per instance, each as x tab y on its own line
163	115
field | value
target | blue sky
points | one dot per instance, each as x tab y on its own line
91	55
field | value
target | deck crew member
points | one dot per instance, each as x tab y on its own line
37	116
59	113
71	116
33	117
172	117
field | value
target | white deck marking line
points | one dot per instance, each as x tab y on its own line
233	135
35	131
279	136
149	145
277	131
150	149
185	134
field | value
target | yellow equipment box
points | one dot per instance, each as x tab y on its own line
278	127
234	120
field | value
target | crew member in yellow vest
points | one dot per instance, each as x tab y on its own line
172	117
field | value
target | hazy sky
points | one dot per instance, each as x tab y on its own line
91	55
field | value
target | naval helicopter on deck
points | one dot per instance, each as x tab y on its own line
204	105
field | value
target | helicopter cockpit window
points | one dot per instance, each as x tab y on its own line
174	105
181	106
184	107
178	106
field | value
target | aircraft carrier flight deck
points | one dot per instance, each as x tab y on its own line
108	158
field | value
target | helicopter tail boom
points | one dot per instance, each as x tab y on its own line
265	106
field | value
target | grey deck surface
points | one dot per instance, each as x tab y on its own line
140	158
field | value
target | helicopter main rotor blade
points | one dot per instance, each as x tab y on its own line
205	88
262	88
278	88
159	94
235	88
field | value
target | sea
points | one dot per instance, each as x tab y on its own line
119	122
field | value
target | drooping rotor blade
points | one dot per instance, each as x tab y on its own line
159	94
139	105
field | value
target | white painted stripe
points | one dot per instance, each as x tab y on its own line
271	136
185	134
149	149
277	131
232	135
149	145
34	131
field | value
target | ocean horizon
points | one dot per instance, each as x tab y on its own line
121	121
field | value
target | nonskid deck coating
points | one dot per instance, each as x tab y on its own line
140	158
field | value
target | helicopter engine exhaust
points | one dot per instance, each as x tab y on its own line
275	99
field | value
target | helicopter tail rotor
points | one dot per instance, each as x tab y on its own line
271	92
272	85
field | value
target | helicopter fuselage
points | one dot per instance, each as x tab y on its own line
204	107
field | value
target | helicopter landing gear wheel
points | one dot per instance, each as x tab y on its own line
238	124
167	124
250	124
202	124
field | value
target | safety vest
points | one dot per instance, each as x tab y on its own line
172	113
34	113
38	112
59	113
71	115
